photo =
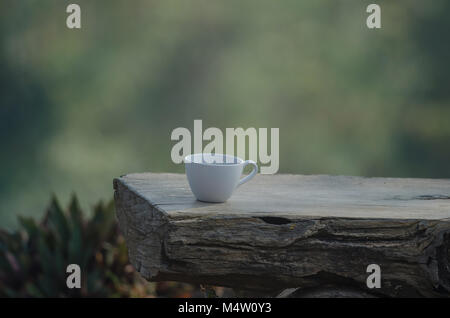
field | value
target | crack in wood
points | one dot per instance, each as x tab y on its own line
274	220
432	197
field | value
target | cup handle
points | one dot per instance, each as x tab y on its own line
252	174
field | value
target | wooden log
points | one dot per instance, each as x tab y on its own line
292	231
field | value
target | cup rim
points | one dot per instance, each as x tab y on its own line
189	159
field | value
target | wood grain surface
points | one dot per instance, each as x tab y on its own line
313	233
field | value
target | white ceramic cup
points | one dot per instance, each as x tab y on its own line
213	177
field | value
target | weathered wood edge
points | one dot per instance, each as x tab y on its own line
143	226
149	234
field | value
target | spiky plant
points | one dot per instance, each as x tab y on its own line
34	258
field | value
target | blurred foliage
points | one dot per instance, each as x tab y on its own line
80	107
33	259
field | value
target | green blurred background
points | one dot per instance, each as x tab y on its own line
80	107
